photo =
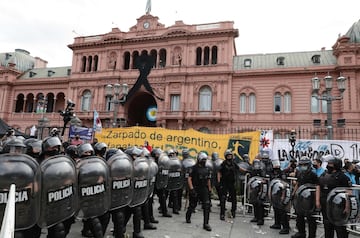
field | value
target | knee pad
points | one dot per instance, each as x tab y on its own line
57	231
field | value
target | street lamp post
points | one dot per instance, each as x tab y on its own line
117	93
328	96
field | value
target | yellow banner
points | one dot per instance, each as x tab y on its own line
195	141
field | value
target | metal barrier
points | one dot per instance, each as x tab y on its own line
8	223
246	204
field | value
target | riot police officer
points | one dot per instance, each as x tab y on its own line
332	179
96	225
100	149
174	194
305	175
281	219
216	167
51	146
226	178
161	192
258	197
199	186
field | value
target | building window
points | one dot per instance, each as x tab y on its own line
198	56
214	52
109	106
287	102
243	103
280	60
314	103
83	64
315	59
247	63
205	96
175	103
324	103
277	102
85	101
252	103
206	55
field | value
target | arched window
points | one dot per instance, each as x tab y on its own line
96	62
324	103
198	56
206	55
277	102
153	54
134	57
86	100
214	53
109	106
29	105
252	103
243	103
50	102
89	63
162	60
205	97
287	102
314	103
19	103
127	60
83	64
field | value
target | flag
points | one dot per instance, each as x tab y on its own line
266	142
97	122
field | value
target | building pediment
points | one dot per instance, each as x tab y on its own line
147	22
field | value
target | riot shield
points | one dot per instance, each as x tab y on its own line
342	207
153	171
280	194
141	176
94	192
58	190
23	171
305	199
121	172
176	177
162	176
257	188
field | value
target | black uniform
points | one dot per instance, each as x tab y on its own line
329	181
280	215
258	202
306	177
228	174
199	182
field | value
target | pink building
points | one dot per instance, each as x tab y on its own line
197	81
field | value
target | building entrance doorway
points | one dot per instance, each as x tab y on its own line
142	110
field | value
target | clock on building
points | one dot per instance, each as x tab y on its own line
146	25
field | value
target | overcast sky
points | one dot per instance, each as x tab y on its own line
46	27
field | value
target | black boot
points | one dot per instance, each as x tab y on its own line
188	216
206	225
138	235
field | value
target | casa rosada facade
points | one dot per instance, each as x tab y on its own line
197	81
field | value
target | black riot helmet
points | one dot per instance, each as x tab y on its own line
51	146
304	164
110	152
33	147
100	149
215	156
85	150
256	164
133	151
227	153
202	157
336	162
155	153
14	145
170	153
185	153
71	151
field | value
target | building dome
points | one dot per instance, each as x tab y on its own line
354	33
21	58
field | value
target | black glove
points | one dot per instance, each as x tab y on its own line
193	193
